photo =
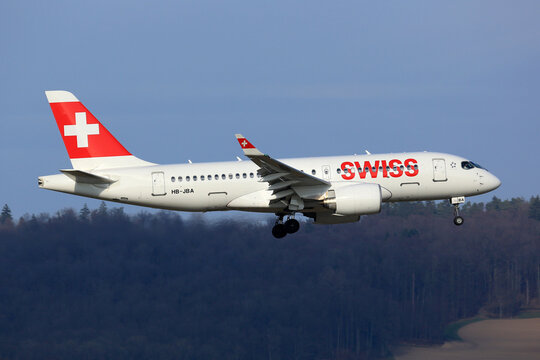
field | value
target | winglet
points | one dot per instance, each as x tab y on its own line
249	149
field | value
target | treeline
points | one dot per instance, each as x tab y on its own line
99	284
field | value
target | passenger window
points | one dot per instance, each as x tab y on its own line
339	171
237	175
313	172
223	176
202	177
209	177
216	177
230	176
251	175
179	179
173	179
244	175
187	178
195	178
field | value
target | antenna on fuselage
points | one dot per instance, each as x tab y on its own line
367	152
189	161
238	158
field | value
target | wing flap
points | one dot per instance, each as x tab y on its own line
282	194
283	184
271	177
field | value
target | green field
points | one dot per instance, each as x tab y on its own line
451	331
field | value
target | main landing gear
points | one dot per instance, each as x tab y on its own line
458	220
281	228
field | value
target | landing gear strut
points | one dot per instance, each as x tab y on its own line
458	220
281	229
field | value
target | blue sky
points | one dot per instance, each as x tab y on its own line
175	80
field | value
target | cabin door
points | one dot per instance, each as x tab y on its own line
439	170
158	183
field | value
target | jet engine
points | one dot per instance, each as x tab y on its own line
358	199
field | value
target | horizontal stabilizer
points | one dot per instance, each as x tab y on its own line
85	177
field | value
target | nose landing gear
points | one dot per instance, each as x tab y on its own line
458	220
281	229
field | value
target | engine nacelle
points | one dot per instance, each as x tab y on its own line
359	199
329	219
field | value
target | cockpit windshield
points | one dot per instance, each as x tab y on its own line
467	165
476	165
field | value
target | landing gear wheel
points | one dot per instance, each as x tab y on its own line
292	226
279	231
458	220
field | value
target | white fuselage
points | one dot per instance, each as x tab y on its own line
236	186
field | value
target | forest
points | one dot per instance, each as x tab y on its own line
102	284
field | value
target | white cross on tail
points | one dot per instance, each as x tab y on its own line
81	130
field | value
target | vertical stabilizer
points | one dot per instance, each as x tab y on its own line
88	143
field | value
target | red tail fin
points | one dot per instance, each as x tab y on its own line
83	134
85	137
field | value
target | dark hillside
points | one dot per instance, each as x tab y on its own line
102	285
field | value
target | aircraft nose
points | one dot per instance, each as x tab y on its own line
492	182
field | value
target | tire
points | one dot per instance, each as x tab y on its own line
292	226
458	220
279	231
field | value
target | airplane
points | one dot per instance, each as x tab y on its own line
329	190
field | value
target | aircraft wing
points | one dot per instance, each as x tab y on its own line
283	180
